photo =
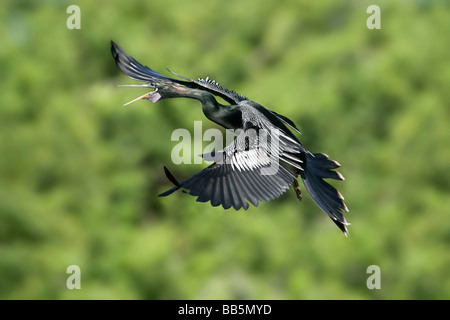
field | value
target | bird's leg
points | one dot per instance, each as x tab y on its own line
295	184
298	192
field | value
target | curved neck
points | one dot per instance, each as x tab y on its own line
228	116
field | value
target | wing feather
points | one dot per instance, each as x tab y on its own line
237	176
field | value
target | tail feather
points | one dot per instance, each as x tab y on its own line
319	167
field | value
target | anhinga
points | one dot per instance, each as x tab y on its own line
236	175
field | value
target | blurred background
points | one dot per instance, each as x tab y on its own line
80	174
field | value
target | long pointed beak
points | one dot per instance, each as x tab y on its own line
134	85
153	96
140	98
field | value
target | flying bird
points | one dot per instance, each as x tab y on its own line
260	164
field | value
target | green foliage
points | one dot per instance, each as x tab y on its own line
79	174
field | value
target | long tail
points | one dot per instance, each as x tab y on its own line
319	167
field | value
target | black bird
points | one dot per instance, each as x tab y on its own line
237	175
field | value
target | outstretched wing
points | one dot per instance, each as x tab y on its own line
256	166
223	185
135	70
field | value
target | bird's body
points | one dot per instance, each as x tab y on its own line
262	162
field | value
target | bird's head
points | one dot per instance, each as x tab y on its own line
153	96
136	71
